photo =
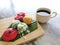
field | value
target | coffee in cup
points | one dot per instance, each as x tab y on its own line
44	14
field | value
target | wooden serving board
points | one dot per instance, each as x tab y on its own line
4	24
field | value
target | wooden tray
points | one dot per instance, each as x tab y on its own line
4	23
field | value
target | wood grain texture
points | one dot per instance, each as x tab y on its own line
4	23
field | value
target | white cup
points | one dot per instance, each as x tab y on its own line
44	18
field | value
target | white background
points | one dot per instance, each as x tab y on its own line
28	6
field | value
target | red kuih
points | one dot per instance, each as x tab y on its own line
21	14
9	34
19	18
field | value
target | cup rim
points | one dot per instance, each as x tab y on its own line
43	8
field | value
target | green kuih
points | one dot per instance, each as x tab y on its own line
14	24
32	26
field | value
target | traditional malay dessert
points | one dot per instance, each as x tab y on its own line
20	26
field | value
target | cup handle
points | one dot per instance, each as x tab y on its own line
53	13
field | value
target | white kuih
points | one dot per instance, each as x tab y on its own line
22	27
15	23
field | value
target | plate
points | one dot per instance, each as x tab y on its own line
4	24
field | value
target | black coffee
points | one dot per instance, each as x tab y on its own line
43	12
